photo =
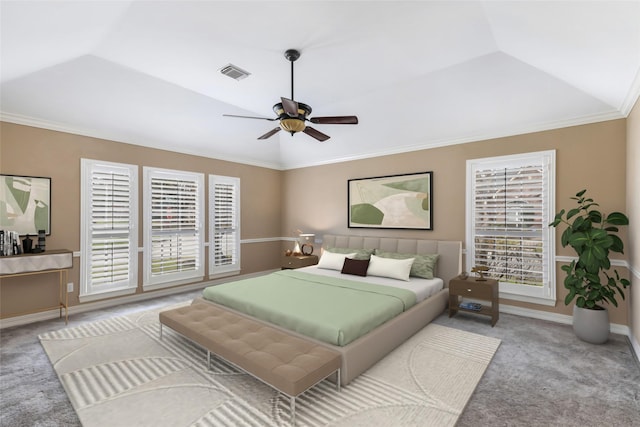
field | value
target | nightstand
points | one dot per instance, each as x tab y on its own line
470	288
298	261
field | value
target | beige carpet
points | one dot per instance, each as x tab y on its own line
118	373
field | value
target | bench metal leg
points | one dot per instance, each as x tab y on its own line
293	410
338	381
160	330
208	360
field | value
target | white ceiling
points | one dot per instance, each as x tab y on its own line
418	74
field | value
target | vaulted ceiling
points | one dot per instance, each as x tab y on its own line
418	74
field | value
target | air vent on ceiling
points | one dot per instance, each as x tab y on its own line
234	72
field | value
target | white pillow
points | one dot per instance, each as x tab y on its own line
391	268
332	260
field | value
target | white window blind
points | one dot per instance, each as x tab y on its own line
109	242
224	224
173	230
510	207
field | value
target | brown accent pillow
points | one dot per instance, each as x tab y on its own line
357	267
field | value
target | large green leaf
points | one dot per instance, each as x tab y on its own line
595	216
616	245
578	223
558	219
617	218
572	213
566	268
566	235
577	240
597	234
570	296
590	258
592	278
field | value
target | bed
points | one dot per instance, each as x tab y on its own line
374	338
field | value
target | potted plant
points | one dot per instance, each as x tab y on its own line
593	236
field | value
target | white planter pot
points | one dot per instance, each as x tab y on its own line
591	326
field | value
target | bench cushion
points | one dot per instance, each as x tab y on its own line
288	363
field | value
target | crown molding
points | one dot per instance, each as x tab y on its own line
632	96
541	127
578	121
60	127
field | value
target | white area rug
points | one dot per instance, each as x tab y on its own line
117	372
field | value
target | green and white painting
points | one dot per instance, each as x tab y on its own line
25	204
397	201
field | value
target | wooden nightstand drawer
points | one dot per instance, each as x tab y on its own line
471	289
298	261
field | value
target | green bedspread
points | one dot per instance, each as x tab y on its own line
336	311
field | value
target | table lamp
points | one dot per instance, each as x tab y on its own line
307	243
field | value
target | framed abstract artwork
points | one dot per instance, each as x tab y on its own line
394	201
25	204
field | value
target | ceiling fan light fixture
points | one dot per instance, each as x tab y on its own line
292	125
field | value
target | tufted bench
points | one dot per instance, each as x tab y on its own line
287	363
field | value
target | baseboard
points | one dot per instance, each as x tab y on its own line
635	345
616	328
97	305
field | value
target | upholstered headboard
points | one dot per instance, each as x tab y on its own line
449	263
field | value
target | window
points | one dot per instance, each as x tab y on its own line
224	224
173	232
510	203
108	229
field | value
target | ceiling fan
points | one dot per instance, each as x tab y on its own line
293	115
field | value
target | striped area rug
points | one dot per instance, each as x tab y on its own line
117	372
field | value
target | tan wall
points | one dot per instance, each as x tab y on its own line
633	209
589	156
37	152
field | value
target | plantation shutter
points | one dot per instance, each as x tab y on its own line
225	224
175	234
110	225
510	213
109	236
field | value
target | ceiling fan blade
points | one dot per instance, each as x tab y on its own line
335	120
290	107
249	117
315	134
270	133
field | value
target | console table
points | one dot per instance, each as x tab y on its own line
51	261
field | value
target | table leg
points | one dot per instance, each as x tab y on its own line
66	298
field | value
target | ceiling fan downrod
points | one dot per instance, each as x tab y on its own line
292	55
